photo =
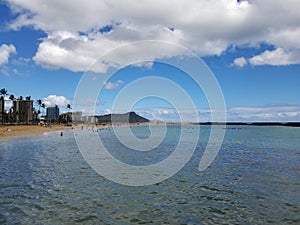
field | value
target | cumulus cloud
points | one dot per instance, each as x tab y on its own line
276	57
240	62
79	52
207	27
5	52
112	85
53	100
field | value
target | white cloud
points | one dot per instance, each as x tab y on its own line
71	51
79	52
266	113
240	62
112	85
5	52
8	104
107	111
160	114
207	27
53	100
283	113
147	65
286	38
5	71
173	115
21	61
275	58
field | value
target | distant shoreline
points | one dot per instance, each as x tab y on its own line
14	131
265	124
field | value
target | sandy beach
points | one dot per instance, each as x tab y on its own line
14	131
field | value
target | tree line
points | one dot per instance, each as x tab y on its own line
7	116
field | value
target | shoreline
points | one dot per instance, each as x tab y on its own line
8	132
15	131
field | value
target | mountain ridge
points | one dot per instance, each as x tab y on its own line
129	117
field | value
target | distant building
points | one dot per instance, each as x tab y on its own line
90	119
23	111
68	117
52	114
76	117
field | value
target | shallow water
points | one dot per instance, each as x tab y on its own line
255	179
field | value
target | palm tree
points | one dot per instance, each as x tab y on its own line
39	103
43	106
12	112
68	107
3	92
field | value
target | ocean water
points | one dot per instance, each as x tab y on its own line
255	179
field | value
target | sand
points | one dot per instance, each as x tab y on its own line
14	131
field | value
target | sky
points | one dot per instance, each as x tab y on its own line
252	48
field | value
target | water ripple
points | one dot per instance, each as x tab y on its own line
255	179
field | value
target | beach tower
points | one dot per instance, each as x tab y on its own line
23	111
52	114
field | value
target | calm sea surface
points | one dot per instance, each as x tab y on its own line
255	179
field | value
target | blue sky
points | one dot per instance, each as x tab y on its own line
47	46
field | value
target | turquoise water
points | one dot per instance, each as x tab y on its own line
255	179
